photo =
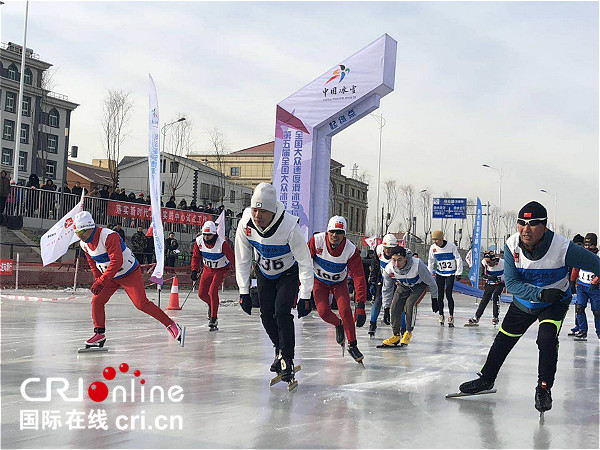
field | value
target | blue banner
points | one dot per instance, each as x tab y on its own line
476	250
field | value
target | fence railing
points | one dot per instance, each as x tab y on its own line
51	205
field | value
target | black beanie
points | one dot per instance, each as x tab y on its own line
591	239
399	250
533	210
578	239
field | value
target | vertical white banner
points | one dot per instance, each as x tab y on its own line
221	225
154	182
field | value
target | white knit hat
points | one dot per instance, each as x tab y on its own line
84	221
209	227
264	197
337	223
390	241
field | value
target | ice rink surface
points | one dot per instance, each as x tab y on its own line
397	401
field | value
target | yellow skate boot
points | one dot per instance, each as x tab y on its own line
406	338
391	342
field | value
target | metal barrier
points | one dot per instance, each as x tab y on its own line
52	205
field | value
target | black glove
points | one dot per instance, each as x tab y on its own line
434	304
303	307
195	275
458	277
246	303
552	295
359	315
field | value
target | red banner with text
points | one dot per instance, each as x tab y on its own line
126	209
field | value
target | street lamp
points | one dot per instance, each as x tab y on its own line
164	130
17	132
381	121
500	175
555	198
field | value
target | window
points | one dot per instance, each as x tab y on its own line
28	77
357	219
24	133
52	143
9	103
232	196
352	192
9	130
53	118
12	72
26	106
350	225
235	171
339	209
247	198
23	161
215	193
341	189
51	169
162	188
204	191
163	165
7	156
174	167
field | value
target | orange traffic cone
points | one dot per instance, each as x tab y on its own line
174	298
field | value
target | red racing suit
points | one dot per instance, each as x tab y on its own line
114	266
331	272
215	259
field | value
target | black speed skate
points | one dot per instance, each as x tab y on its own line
355	353
276	366
287	373
372	328
340	337
386	316
474	387
212	324
543	398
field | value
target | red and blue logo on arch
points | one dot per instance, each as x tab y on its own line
340	73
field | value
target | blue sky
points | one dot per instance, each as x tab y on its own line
510	84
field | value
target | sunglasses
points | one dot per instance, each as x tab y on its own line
531	222
337	232
80	232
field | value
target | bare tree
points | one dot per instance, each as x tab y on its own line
179	142
220	147
509	221
425	205
390	190
445	222
565	231
408	205
115	116
469	223
364	177
495	224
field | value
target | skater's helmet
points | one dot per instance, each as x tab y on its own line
209	227
390	241
84	221
337	223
